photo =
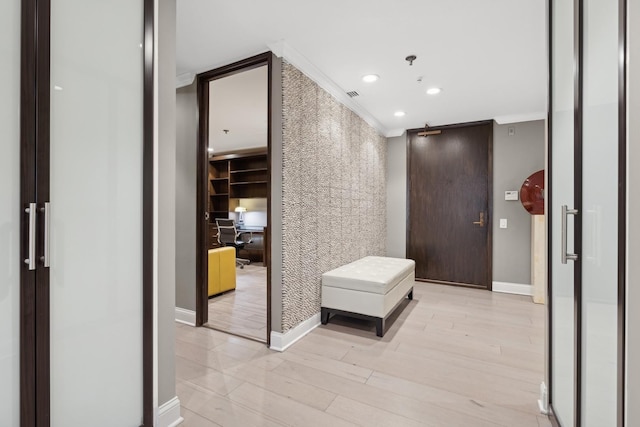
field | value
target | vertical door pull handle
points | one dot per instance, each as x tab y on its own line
46	259
31	255
564	255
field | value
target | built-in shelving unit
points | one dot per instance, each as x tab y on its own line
233	176
218	188
248	177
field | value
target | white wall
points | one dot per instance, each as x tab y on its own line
165	272
256	214
397	196
10	214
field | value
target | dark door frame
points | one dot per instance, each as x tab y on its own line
202	313
622	208
35	84
489	197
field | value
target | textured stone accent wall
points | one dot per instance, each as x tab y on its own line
333	195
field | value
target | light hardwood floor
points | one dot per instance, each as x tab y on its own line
451	357
243	311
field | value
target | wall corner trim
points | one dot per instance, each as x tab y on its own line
282	341
169	414
188	317
184	79
512	288
295	58
543	402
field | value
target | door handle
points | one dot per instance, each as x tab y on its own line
563	251
31	250
46	259
481	222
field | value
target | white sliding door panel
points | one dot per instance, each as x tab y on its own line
600	206
96	212
562	193
9	212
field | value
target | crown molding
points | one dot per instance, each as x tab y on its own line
282	50
518	118
395	132
184	79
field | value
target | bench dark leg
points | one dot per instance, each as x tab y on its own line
379	326
324	315
410	296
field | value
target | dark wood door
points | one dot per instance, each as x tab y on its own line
449	225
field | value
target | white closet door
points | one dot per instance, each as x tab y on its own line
9	211
562	183
96	212
600	206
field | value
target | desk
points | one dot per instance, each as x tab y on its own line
255	249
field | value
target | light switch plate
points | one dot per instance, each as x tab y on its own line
503	223
511	195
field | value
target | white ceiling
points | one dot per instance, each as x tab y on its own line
488	56
238	103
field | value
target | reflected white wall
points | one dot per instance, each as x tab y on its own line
600	213
9	211
96	212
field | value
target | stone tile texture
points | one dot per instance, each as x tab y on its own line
333	195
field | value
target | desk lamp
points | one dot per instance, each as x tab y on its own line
241	210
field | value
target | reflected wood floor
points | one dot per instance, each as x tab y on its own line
243	311
451	357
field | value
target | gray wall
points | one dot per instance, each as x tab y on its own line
633	231
166	181
397	196
186	165
514	159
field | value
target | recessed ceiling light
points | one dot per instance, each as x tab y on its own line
399	113
370	78
434	90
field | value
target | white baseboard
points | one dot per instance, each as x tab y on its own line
169	414
282	341
188	317
512	288
542	402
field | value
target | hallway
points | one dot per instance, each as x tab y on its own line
452	357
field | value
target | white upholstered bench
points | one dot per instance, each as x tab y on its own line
369	288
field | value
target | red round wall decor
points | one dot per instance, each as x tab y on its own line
532	193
